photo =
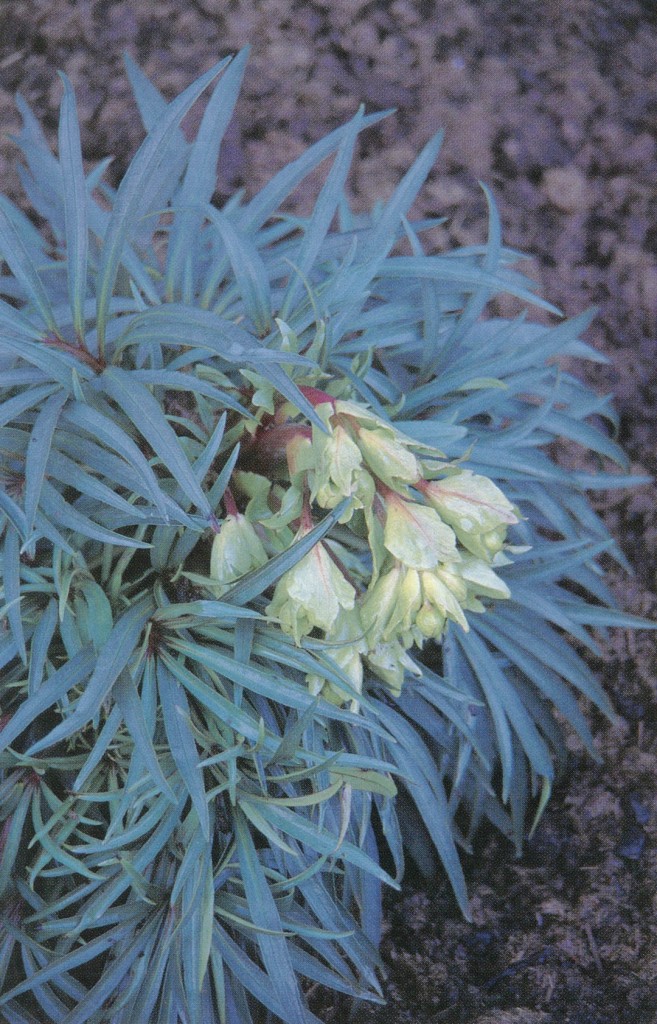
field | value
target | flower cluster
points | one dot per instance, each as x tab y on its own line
416	547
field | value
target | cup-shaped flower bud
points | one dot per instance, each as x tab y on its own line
450	575
388	457
390	662
439	596
236	550
339	472
347	644
430	621
390	605
416	534
475	508
481	580
310	595
380	606
386	451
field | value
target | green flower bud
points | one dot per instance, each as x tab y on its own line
386	450
388	458
475	508
236	550
493	541
310	595
390	606
440	597
339	471
480	579
346	646
450	575
430	622
417	536
379	611
390	662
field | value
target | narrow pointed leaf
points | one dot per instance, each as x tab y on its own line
12	590
133	188
201	173
176	713
146	414
273	947
75	206
112	660
248	269
109	433
127	699
38	450
19	261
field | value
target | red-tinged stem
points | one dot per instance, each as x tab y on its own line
97	365
343	569
306	514
229	503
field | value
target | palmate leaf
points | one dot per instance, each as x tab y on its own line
176	324
112	661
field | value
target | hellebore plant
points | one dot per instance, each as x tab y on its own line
280	536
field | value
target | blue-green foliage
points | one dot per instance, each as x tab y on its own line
185	831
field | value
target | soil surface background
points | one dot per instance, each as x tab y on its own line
553	105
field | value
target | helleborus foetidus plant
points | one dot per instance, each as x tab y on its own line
280	536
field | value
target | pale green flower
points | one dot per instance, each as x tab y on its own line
386	451
310	595
416	535
390	662
346	647
450	575
236	550
480	579
339	472
475	508
389	460
257	489
390	606
439	596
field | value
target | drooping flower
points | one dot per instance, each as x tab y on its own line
390	662
339	472
416	534
345	649
310	595
236	550
390	606
475	508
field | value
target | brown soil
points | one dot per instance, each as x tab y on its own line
555	106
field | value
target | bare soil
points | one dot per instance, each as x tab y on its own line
554	105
